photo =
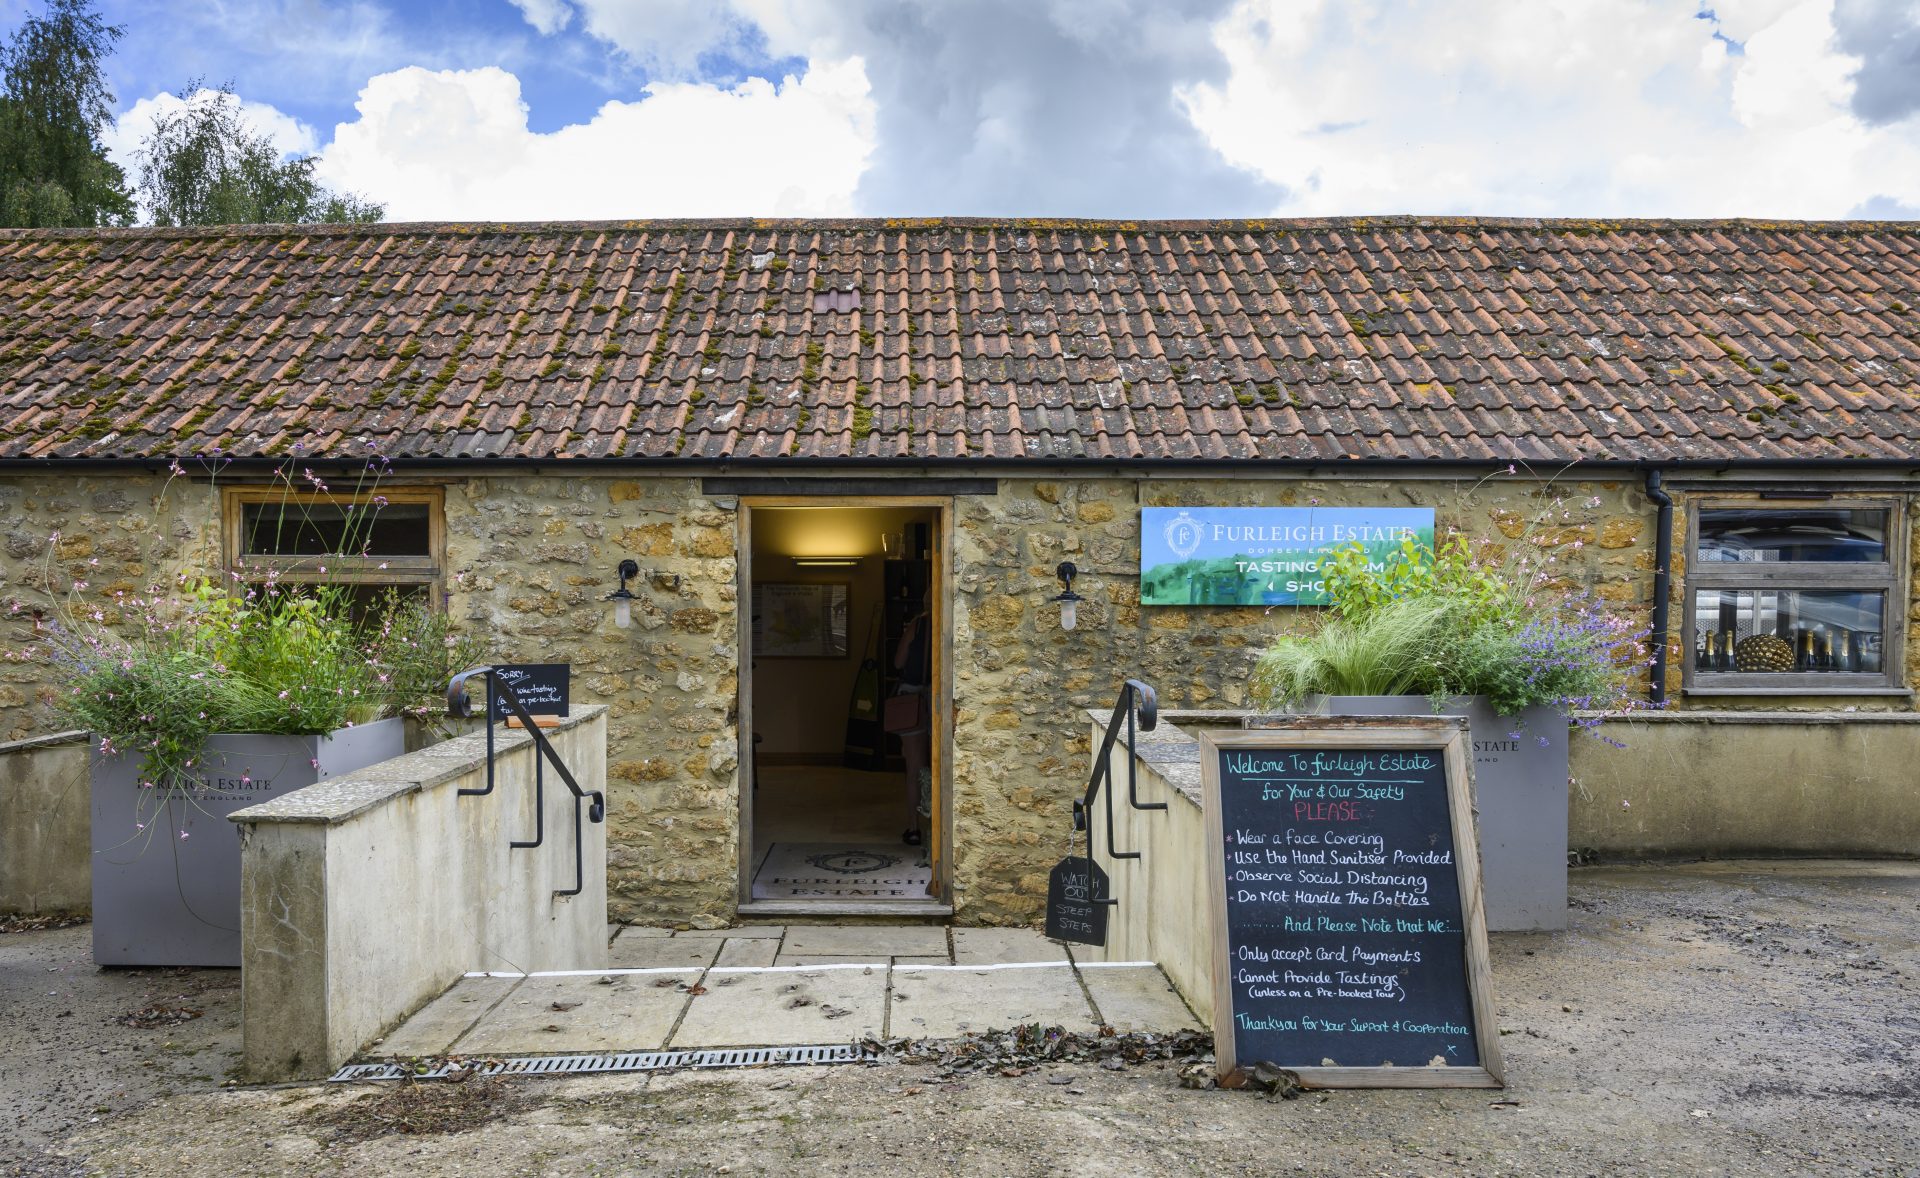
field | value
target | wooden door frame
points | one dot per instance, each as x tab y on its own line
941	735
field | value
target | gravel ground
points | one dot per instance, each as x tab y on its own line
1707	1019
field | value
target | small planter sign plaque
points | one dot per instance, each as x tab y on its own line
542	687
1349	942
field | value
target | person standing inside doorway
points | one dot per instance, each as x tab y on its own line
910	717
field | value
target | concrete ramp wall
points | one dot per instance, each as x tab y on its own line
365	896
45	853
1162	915
1728	783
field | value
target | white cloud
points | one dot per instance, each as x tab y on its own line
548	16
667	37
1036	107
1553	107
454	144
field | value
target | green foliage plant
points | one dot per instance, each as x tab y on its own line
154	673
1393	650
201	164
54	104
1445	622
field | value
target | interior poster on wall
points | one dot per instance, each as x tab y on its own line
1261	555
799	620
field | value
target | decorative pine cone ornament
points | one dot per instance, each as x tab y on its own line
1762	652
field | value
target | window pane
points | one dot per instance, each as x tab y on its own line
329	529
365	604
1772	631
1774	534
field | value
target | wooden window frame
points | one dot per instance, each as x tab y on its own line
1811	576
423	570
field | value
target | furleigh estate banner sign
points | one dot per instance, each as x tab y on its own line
1261	555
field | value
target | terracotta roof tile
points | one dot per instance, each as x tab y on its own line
1312	340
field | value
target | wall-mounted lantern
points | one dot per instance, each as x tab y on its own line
622	597
1068	599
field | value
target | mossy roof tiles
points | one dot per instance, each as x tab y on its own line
1008	341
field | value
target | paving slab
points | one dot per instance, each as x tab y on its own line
433	1028
879	960
746	932
637	931
1138	998
660	952
864	940
943	1003
786	1008
748	952
997	946
630	1013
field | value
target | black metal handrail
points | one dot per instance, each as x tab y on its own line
1136	698
460	703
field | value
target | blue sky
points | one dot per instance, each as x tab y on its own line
310	59
532	109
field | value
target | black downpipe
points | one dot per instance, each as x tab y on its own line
1662	588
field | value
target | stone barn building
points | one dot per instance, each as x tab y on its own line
848	458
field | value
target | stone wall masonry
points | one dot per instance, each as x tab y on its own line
530	563
1020	682
113	534
531	557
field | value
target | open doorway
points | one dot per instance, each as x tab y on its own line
842	704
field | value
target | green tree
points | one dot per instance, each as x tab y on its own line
202	165
54	103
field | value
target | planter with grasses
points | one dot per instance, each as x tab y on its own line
1441	632
203	697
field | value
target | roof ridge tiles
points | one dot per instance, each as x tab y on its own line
1335	226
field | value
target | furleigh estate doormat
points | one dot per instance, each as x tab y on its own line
841	871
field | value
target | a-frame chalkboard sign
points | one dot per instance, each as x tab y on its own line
1349	943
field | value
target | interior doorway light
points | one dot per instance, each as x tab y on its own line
826	562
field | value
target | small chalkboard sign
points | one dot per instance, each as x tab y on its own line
541	687
1072	911
1349	940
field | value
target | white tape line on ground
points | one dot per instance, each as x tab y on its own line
587	973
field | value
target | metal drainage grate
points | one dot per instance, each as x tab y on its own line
628	1061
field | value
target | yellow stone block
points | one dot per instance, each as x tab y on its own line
647	540
710	542
1621	533
999	612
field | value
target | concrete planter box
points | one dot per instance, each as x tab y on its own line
161	899
1520	793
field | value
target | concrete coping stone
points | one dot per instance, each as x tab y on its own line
340	799
1168	751
1723	716
50	740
